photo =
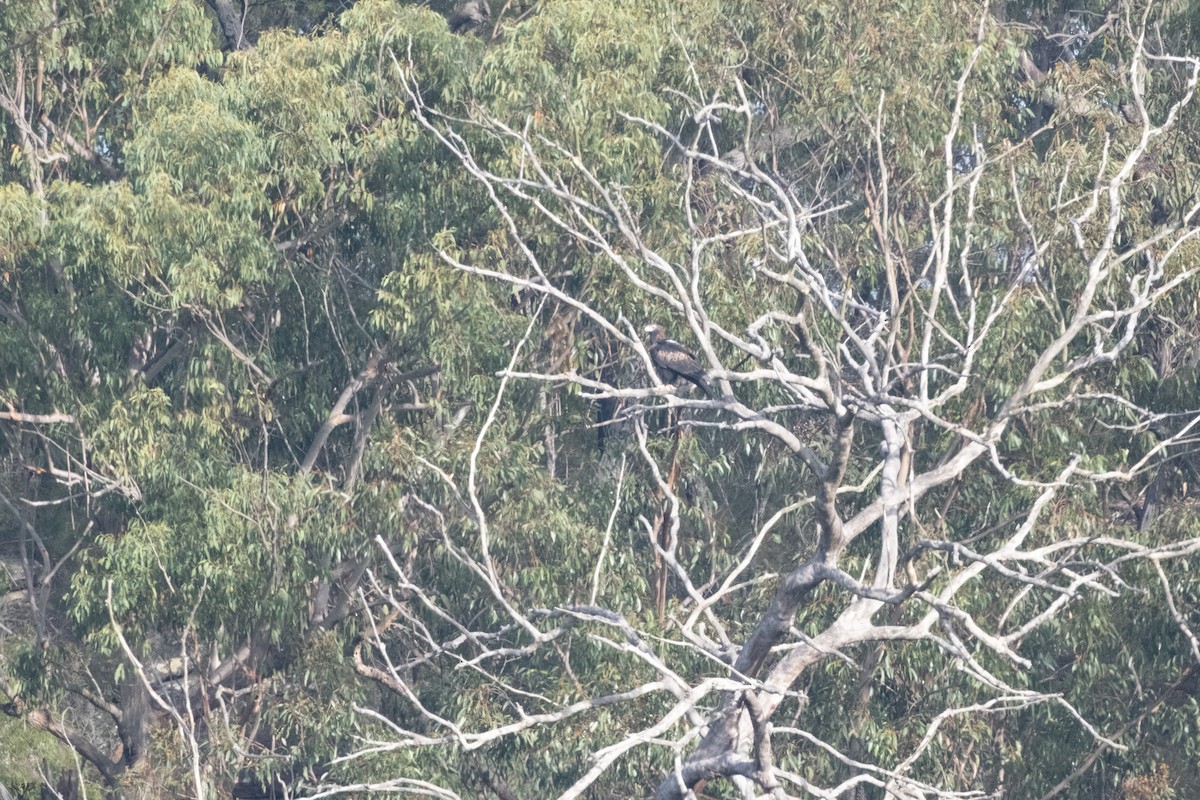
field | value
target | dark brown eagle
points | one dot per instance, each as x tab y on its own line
674	361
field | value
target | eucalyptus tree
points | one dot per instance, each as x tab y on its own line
335	459
191	379
925	284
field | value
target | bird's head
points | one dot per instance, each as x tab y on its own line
653	332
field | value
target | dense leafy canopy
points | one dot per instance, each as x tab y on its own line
331	457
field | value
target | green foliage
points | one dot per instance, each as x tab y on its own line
237	237
25	751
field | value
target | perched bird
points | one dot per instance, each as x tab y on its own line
674	361
469	14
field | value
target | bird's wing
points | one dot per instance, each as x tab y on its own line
672	355
681	354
